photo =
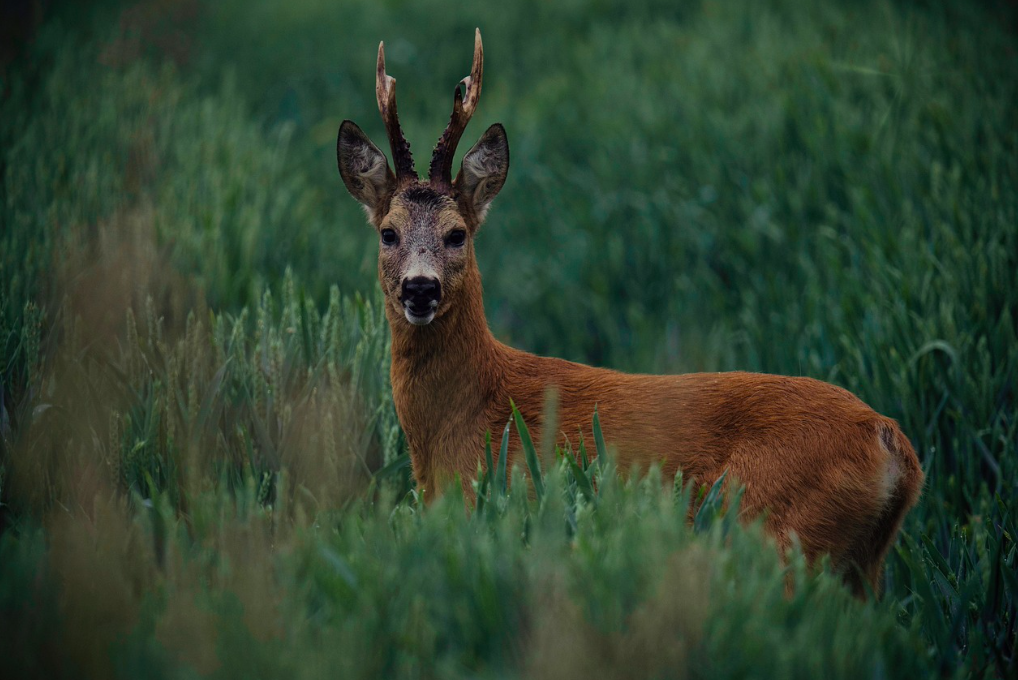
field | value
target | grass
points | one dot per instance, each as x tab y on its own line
201	469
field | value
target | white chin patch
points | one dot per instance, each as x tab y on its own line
418	320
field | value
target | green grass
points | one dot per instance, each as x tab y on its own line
201	469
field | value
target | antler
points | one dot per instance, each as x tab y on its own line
464	103
385	90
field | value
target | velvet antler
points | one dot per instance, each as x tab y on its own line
385	90
468	91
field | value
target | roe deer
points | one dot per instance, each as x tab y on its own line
820	462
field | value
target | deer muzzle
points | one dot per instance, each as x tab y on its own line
420	296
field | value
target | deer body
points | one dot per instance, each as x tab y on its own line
815	459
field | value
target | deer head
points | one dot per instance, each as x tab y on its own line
426	228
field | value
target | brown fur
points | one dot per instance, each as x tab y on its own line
821	464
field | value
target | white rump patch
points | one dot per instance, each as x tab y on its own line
892	472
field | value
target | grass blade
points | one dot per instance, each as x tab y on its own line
529	452
711	506
582	482
489	469
602	449
584	463
503	456
305	330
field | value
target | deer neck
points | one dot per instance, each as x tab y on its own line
443	373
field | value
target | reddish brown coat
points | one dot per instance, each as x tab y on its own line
820	463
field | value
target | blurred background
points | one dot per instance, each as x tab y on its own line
690	181
189	294
821	189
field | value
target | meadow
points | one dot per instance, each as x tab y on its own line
201	469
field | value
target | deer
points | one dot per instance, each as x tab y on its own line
815	462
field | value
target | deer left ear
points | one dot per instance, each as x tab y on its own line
364	170
483	171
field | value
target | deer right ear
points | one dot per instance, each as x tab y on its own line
364	170
484	170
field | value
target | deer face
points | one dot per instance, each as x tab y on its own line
425	229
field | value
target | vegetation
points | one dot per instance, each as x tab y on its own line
201	471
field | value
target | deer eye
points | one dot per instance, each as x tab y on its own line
389	237
456	238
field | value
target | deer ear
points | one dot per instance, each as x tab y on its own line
484	170
364	170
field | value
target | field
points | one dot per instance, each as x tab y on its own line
201	469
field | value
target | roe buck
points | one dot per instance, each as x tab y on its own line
820	462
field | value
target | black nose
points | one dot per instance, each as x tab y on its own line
420	292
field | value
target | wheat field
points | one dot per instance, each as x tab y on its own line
201	470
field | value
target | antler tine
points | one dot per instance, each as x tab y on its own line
385	91
468	92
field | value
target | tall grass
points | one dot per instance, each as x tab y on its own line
201	469
610	581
